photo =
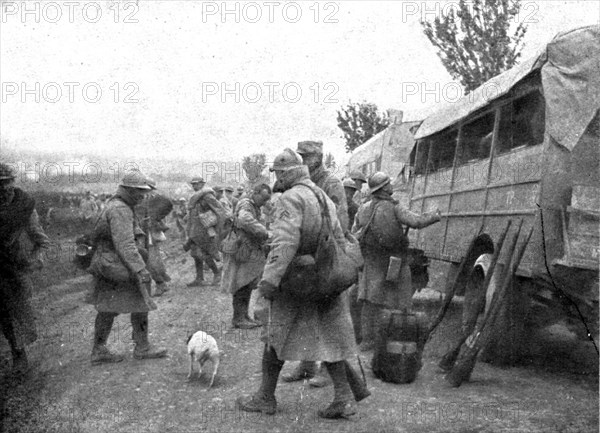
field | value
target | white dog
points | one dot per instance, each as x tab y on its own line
202	347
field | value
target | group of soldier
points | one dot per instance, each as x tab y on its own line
255	255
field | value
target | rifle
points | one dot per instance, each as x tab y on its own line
448	298
448	360
466	363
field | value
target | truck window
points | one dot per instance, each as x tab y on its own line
522	123
476	140
421	157
442	150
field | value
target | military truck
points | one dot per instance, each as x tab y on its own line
524	145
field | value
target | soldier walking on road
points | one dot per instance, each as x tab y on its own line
383	238
312	157
120	272
299	329
243	266
206	218
18	216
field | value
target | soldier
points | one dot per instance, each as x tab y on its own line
117	252
180	215
220	195
312	156
359	179
229	195
228	208
243	268
382	238
18	216
298	329
206	218
239	192
152	211
88	207
350	189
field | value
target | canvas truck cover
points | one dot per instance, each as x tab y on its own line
367	152
393	145
570	71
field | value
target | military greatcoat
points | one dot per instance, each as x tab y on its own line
334	188
204	245
302	330
385	238
247	266
117	234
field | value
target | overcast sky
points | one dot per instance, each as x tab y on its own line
173	61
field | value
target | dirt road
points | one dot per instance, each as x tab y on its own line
556	391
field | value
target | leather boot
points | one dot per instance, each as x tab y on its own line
100	353
241	299
215	270
199	273
143	348
304	370
216	278
264	400
321	378
357	384
342	406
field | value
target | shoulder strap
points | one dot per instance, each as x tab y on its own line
322	204
374	207
324	212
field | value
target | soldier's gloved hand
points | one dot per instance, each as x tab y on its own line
266	289
144	276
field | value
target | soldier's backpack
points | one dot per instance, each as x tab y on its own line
399	347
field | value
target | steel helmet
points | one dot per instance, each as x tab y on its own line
197	179
358	175
286	160
377	181
182	199
349	183
135	179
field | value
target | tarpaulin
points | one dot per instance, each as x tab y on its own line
570	70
